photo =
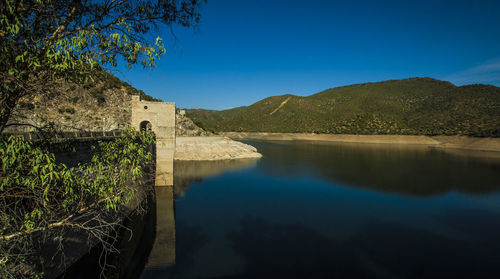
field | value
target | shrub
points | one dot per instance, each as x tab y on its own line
43	199
98	94
66	110
27	106
73	100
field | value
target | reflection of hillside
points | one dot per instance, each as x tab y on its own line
185	172
277	250
399	169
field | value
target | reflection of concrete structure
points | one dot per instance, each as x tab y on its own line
159	118
163	252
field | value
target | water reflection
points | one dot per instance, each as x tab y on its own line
186	172
273	250
164	261
409	170
291	214
163	253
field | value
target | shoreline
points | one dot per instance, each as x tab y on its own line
444	142
212	148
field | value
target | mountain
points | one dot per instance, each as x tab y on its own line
415	106
103	103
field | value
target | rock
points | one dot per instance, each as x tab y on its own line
72	107
212	148
184	126
73	110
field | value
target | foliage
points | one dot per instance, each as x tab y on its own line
417	106
202	125
42	199
43	41
98	94
66	110
27	106
74	99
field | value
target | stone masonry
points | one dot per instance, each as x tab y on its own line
158	117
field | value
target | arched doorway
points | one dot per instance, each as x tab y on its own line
146	126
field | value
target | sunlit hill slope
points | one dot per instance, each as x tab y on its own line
415	106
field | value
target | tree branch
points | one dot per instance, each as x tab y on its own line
67	21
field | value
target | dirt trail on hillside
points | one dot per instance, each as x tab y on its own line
281	105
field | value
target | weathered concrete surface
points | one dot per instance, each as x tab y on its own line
164	162
161	115
160	118
212	148
447	142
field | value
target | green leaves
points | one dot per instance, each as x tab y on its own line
37	192
51	190
45	41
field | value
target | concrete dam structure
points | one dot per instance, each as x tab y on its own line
158	117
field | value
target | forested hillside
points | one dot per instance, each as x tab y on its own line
415	106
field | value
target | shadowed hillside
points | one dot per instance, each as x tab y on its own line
93	106
422	106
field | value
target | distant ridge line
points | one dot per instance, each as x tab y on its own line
413	106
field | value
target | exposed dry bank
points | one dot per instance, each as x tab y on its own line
212	148
455	142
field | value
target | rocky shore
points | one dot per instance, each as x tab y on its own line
445	142
212	148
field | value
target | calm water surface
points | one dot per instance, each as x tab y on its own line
331	211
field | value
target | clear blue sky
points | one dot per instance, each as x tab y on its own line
246	50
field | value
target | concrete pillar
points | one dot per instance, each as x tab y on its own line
164	162
161	117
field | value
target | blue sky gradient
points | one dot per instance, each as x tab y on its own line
246	50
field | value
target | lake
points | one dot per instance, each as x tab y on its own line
313	210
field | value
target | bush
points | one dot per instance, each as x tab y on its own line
87	85
27	106
98	94
42	199
73	100
66	110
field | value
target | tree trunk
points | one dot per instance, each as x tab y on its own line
8	101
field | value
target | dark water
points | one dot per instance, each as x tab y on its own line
332	211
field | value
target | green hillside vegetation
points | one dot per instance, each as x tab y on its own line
415	106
